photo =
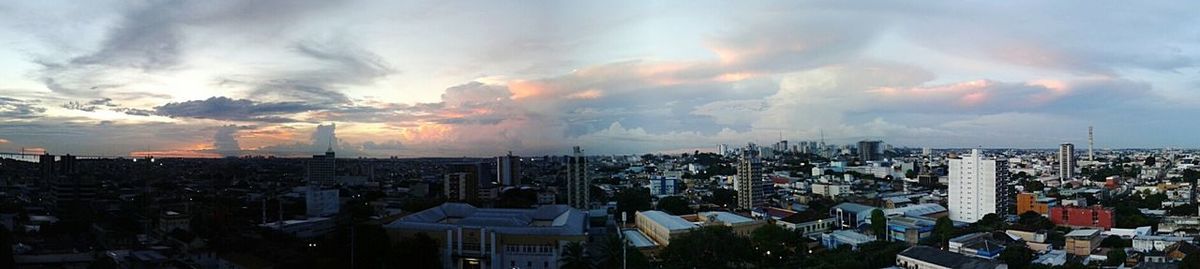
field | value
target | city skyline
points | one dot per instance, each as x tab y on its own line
377	78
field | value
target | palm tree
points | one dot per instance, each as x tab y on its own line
612	252
574	257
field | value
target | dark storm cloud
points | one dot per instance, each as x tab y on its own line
225	108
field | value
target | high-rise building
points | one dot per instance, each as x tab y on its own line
461	181
1066	161
508	170
1091	157
722	149
46	165
322	169
869	150
578	183
979	186
748	183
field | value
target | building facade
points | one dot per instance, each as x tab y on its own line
1066	161
1033	202
508	170
1081	217
322	169
978	186
749	184
578	183
869	150
470	237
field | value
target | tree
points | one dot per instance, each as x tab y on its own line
1017	257
417	251
1150	161
879	224
1116	256
723	197
675	205
1114	241
708	247
990	222
6	251
780	247
371	245
1034	221
611	256
943	228
632	200
1191	261
574	256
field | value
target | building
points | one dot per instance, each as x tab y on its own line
850	215
170	221
850	238
910	230
1081	242
808	223
461	182
1066	161
740	225
1147	243
664	186
508	170
869	150
923	257
661	227
321	203
495	238
578	183
749	182
74	194
305	228
1082	217
1033	202
322	169
978	186
980	245
830	190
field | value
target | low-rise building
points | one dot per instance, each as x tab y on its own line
1034	202
850	215
850	238
1146	243
979	245
910	230
1082	217
1081	242
923	257
661	227
495	238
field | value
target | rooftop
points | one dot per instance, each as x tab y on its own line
1083	233
854	207
726	217
946	258
638	239
671	222
543	220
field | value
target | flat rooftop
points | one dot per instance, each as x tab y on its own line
543	220
671	222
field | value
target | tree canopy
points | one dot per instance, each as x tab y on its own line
708	247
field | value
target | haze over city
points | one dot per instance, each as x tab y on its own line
480	78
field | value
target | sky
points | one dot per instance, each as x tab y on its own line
482	78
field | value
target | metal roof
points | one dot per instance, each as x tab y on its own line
669	221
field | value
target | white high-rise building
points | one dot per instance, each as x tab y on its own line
978	186
1066	161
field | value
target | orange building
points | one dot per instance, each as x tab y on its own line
1032	202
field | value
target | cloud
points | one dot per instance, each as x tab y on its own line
224	108
12	108
225	141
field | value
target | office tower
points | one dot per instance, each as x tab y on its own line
978	186
869	150
1091	158
73	195
46	165
578	183
926	151
322	169
508	170
1066	161
722	149
748	183
461	182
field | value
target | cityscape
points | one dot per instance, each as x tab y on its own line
599	135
